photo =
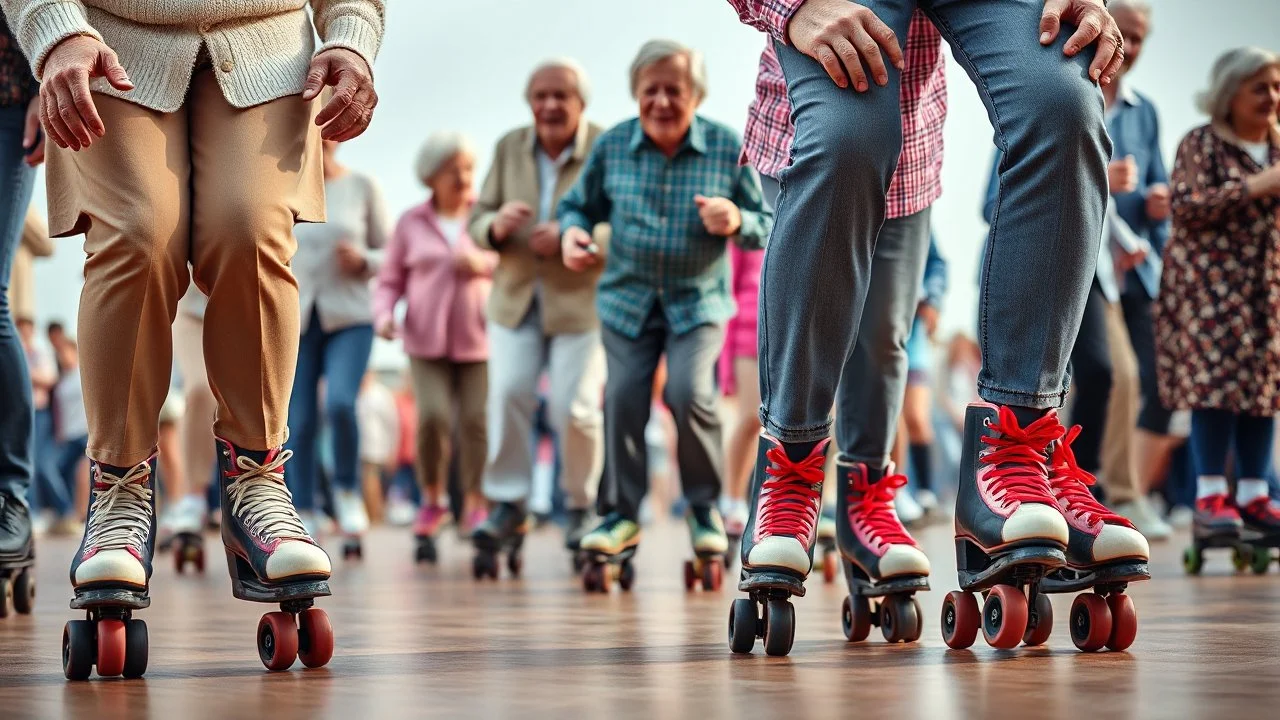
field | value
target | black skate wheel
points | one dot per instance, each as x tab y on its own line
855	618
1259	563
712	575
1124	622
111	647
515	564
135	650
779	627
690	576
6	593
277	641
593	578
900	619
1090	622
626	575
1192	560
24	592
960	620
79	649
1039	634
315	638
742	625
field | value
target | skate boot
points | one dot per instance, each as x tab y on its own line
503	530
1105	552
826	559
1010	532
17	555
777	547
577	523
735	522
882	562
186	521
1260	535
426	528
710	543
110	574
353	521
1216	524
607	551
272	559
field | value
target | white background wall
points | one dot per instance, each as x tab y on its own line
463	65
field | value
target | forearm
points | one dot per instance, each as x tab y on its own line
39	25
356	25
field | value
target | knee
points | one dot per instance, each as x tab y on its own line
243	232
862	149
1060	121
683	394
340	410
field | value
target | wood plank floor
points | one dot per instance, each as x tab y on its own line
418	641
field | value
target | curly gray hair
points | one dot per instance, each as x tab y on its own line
1229	72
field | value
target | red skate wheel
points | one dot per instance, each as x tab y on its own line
277	641
79	649
1090	622
111	646
315	638
828	567
960	620
1004	617
712	575
1124	621
855	618
1039	634
690	576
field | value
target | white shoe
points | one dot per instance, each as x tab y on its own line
187	515
1140	513
310	523
349	507
400	512
1181	517
909	511
927	500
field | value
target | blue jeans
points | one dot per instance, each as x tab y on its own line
16	436
341	358
1215	433
50	490
1043	248
70	454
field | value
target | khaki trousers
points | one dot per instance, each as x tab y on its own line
443	391
210	185
1119	460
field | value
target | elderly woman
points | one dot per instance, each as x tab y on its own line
444	278
333	266
542	316
1218	313
669	184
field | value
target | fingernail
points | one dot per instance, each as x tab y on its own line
861	86
1044	37
1095	74
882	80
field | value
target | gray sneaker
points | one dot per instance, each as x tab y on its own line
1144	517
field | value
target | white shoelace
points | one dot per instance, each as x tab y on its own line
259	497
120	516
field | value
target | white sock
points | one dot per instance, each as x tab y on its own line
1210	485
1250	489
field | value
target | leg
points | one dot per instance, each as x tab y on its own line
53	488
1091	364
433	393
472	388
1154	445
1253	445
304	423
1119	463
577	368
691	396
632	363
201	407
919	427
346	357
1212	434
16	180
516	358
746	433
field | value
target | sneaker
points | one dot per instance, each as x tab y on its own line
400	511
1181	517
475	519
1144	517
909	510
188	514
927	501
735	518
353	519
431	520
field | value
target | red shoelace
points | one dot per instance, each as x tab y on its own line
1017	458
1264	508
1071	483
1216	506
790	495
869	506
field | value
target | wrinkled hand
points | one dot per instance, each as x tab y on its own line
387	328
32	138
545	241
576	248
719	215
1093	23
1122	175
1159	202
511	217
350	260
929	315
842	35
349	111
67	111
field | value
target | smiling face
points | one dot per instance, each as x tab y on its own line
1134	26
557	106
667	100
1255	104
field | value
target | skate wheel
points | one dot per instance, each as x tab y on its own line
179	560
690	576
483	566
1004	617
593	578
111	647
742	625
1090	622
960	620
79	649
1192	560
712	575
1124	621
779	627
626	576
1039	634
1239	560
277	641
1259	563
514	564
136	650
855	618
315	638
900	619
577	562
828	567
6	592
24	592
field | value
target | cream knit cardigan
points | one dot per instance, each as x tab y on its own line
261	49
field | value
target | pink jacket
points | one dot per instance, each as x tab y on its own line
445	317
740	334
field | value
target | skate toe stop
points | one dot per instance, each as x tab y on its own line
780	552
293	558
112	566
904	560
1118	541
1035	522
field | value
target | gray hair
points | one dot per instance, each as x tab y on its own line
656	51
1142	7
563	63
1228	74
437	150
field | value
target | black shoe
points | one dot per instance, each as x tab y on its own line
578	523
15	530
505	522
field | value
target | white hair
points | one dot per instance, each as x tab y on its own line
1228	74
437	151
1142	7
563	63
656	51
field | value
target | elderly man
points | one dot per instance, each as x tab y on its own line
669	184
542	316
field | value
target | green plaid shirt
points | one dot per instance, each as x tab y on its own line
660	251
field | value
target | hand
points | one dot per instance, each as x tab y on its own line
349	111
511	217
1122	175
842	36
468	262
1264	183
386	328
929	315
576	248
1158	202
1093	23
32	138
67	111
719	215
350	260
545	241
1126	261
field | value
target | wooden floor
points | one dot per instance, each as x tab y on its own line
417	641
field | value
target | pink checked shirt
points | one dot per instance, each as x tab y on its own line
766	145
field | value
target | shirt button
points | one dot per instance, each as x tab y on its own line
227	66
205	28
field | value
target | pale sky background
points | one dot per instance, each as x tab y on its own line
463	66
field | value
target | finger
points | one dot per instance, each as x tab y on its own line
884	37
830	62
36	156
83	101
108	66
49	130
343	93
1051	20
1108	51
870	53
71	115
1087	30
1112	69
348	125
851	63
700	200
316	76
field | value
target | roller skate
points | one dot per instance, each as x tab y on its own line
777	547
1259	536
186	521
735	522
17	556
426	528
353	521
503	530
710	543
882	562
606	554
577	524
271	558
826	557
1216	524
1010	532
1105	552
110	574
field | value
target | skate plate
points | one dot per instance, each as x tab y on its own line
245	584
1017	565
116	598
596	557
766	579
1108	577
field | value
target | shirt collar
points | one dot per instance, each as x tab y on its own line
581	143
695	139
1128	95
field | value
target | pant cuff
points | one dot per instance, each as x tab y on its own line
253	442
125	459
795	435
1017	398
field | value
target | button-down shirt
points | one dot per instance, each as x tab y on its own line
660	251
548	175
917	182
17	84
1134	127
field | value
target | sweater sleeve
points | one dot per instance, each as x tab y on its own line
356	25
39	25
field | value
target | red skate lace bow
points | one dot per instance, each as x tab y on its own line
1017	457
1071	482
1259	507
790	495
869	504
